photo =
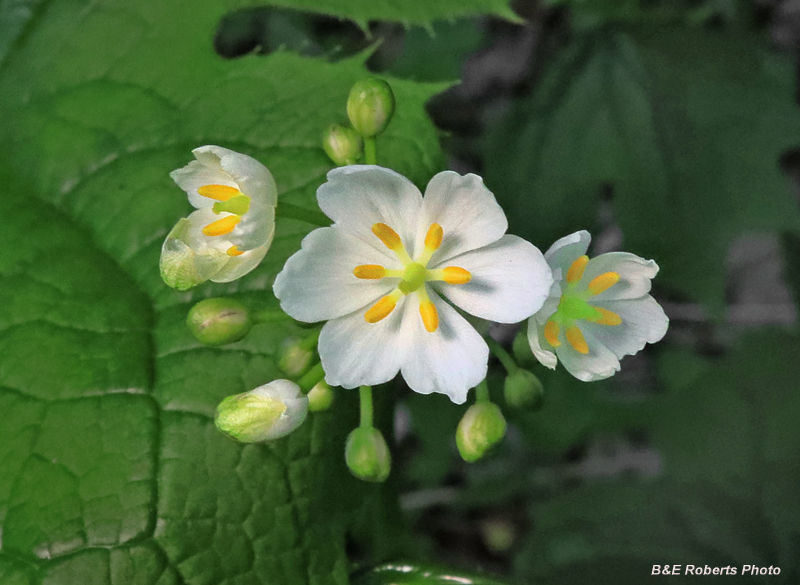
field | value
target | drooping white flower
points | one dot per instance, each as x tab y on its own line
597	312
232	229
379	275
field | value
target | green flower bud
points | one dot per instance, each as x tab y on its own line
342	144
219	321
370	106
367	454
320	397
482	427
523	390
266	413
294	358
521	349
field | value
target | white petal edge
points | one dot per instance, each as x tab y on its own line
635	275
256	228
317	282
510	281
253	178
538	344
195	175
598	364
238	266
296	406
643	322
566	250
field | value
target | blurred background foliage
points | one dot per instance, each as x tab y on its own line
668	128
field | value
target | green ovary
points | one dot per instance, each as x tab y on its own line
413	278
573	308
238	205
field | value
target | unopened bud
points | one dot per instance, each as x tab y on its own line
370	106
342	144
219	321
481	428
367	454
268	412
523	390
293	358
320	397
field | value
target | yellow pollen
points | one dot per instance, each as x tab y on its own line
551	330
387	235
234	251
369	271
433	239
608	317
222	226
456	275
218	192
381	309
430	316
575	272
576	340
603	282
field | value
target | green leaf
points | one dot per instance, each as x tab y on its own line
686	127
422	574
113	471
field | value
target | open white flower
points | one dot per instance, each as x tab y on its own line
598	310
379	273
232	229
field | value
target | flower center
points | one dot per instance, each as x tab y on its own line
228	200
574	306
413	276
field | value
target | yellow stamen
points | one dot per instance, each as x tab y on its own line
433	239
222	226
603	282
576	340
551	330
381	309
575	272
218	192
430	316
608	317
369	271
456	275
234	251
387	235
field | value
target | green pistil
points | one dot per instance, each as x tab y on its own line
413	278
238	205
573	308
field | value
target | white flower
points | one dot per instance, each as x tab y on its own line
598	310
379	273
232	229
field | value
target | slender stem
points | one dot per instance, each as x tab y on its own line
308	380
370	152
311	216
267	315
505	358
365	393
482	392
310	342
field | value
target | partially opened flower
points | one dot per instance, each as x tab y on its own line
598	310
381	273
232	229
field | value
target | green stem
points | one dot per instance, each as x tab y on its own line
482	392
311	378
311	216
310	342
365	393
370	152
267	316
505	358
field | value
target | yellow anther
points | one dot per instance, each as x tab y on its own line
433	239
219	192
551	331
576	340
603	282
388	236
456	275
575	272
369	271
381	309
222	226
234	251
608	317
430	316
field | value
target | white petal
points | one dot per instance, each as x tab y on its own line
635	275
357	196
317	282
598	364
256	228
356	353
542	350
195	175
450	360
566	250
643	321
238	266
295	401
253	178
467	211
184	266
510	281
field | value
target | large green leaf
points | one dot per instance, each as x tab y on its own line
112	470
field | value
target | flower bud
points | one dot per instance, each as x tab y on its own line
342	144
219	321
320	397
482	427
268	412
370	106
523	390
293	358
367	454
